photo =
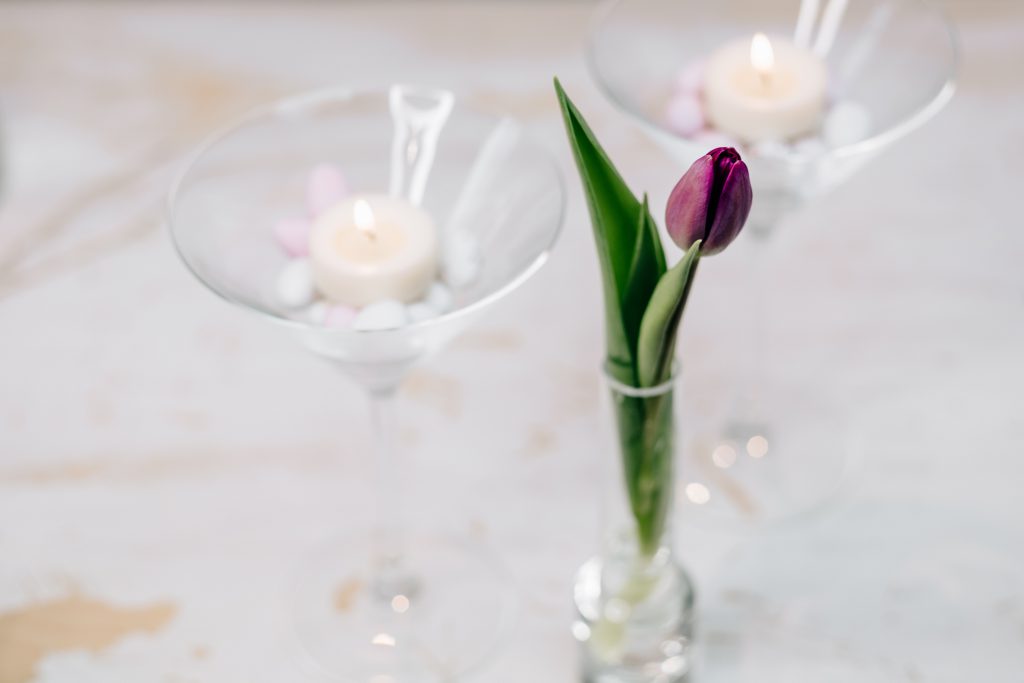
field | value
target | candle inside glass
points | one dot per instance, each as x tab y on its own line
372	240
764	90
373	248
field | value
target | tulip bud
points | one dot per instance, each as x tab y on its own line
710	202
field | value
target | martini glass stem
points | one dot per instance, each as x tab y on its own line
391	574
746	419
772	205
753	388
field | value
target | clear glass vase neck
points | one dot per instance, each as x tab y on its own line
624	389
639	470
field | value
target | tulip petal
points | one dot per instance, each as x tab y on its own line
733	207
686	214
723	158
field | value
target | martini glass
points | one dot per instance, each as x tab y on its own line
381	604
889	61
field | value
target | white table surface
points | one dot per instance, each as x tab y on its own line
166	460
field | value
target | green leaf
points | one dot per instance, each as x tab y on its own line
660	324
646	269
651	228
628	246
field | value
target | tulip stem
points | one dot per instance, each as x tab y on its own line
646	442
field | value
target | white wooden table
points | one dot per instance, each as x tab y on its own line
166	460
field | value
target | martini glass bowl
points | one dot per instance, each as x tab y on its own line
894	58
381	604
891	62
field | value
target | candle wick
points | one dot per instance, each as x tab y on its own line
763	60
363	216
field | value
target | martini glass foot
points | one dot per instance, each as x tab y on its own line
432	615
768	463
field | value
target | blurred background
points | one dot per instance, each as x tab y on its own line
164	458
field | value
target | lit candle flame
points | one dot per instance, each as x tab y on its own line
762	57
363	216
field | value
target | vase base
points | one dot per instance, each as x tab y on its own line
630	676
631	637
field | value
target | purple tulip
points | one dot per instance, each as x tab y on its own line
710	202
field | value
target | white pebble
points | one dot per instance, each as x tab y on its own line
340	316
846	123
382	315
325	188
690	78
440	298
295	287
685	114
420	311
317	312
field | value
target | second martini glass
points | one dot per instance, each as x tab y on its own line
381	605
779	452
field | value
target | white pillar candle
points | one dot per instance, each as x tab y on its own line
764	90
372	248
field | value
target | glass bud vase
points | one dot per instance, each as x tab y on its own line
635	603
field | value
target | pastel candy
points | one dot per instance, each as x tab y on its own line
293	236
340	316
325	188
685	114
846	123
439	297
381	315
690	79
295	287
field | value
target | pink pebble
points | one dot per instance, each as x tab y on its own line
340	316
325	188
293	236
685	115
690	79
